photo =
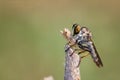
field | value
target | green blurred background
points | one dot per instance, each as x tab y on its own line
31	46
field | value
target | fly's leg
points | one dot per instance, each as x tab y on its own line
70	46
77	51
81	52
73	52
82	56
85	55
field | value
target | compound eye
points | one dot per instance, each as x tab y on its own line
77	29
83	31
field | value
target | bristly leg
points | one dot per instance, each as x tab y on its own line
80	59
70	46
78	51
85	55
81	52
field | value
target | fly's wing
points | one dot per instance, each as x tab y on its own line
95	55
85	42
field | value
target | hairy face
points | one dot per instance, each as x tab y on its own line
85	31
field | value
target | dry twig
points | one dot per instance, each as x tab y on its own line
72	71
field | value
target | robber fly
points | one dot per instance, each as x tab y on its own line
82	36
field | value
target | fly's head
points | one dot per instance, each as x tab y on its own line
85	32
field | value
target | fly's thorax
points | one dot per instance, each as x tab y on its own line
78	37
